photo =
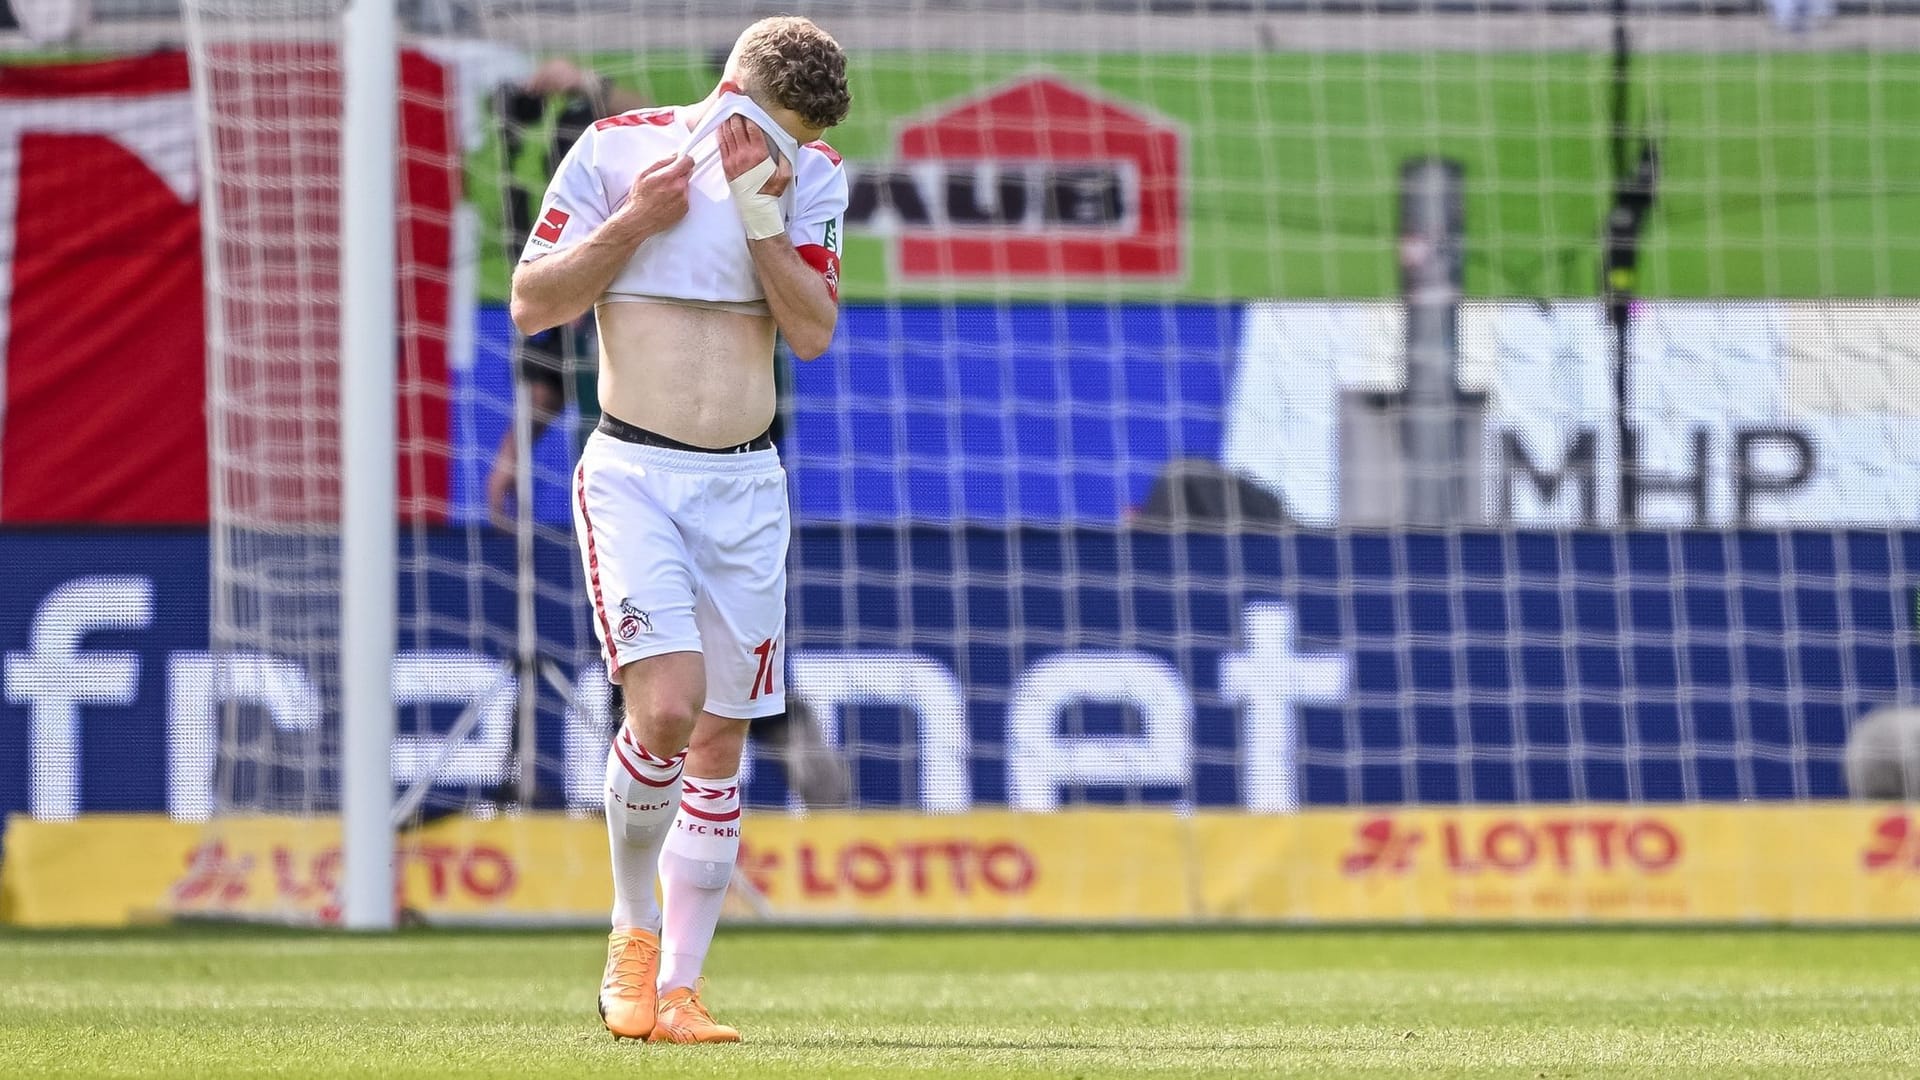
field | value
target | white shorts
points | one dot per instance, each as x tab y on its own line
687	552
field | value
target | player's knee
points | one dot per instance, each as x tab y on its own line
716	748
661	723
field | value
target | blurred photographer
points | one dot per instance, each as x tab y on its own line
539	120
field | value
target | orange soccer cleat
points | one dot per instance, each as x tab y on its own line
684	1020
628	1002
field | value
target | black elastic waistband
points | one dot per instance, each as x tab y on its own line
617	428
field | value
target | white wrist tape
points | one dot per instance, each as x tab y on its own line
759	213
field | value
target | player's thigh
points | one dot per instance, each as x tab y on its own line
717	745
664	695
742	613
640	575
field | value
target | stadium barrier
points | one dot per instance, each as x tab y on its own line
1600	863
1643	726
1262	672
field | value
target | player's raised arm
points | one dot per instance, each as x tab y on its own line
803	298
577	246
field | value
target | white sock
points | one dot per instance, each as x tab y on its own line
643	791
694	871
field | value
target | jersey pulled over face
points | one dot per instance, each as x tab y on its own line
703	258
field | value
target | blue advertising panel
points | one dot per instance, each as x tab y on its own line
1031	413
990	413
1032	667
1023	413
105	692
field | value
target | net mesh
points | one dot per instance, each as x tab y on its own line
268	87
1101	497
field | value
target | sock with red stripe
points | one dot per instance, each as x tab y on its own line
643	791
694	871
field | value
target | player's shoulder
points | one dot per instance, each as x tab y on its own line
658	117
820	173
821	153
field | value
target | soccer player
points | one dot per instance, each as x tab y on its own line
693	233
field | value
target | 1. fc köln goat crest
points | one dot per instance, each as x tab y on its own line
633	621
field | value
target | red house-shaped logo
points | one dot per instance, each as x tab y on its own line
1040	179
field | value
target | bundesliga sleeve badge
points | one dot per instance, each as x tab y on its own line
552	224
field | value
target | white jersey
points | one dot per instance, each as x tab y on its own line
702	258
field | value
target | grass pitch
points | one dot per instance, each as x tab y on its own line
976	1004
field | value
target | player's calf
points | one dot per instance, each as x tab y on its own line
696	867
642	797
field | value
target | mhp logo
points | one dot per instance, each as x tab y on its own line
1037	179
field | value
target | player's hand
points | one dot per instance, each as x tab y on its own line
562	76
742	146
501	482
658	197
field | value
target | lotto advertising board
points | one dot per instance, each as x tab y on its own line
1831	863
1262	673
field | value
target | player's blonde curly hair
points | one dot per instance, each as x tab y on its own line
792	63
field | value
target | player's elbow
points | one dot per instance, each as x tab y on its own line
810	345
531	313
528	317
809	342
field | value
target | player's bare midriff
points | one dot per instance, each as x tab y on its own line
696	374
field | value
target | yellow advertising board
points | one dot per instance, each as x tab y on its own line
1825	863
1595	863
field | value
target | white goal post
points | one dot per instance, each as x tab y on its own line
369	540
298	108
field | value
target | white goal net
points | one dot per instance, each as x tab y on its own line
1224	463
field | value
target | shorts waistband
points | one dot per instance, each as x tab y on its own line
602	447
616	428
